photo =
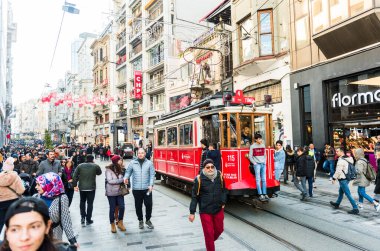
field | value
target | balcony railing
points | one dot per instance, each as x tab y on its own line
121	114
120	44
135	111
156	37
157	107
154	14
154	84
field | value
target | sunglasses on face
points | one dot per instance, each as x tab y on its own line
210	167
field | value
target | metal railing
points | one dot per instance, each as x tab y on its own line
154	84
135	111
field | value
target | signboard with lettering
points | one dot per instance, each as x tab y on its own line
138	85
240	99
230	167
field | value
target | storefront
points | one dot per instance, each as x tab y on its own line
338	102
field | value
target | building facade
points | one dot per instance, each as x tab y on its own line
261	59
335	86
147	62
8	31
103	91
82	130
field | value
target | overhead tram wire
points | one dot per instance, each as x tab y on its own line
56	42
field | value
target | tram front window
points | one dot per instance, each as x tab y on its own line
246	130
233	130
260	126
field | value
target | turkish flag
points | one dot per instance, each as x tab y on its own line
8	136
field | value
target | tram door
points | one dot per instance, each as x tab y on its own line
210	129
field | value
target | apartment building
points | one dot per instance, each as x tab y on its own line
335	48
8	31
261	59
102	50
83	118
146	55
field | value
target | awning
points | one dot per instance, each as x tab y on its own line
223	10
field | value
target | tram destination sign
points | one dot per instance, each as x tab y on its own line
240	99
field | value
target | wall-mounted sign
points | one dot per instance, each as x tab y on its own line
362	98
138	85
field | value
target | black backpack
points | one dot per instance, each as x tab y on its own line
351	171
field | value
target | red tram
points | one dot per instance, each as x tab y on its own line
177	148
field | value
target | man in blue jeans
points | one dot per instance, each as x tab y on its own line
257	158
340	175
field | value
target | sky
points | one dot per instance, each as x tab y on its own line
38	23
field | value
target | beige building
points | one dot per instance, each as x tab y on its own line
261	59
103	74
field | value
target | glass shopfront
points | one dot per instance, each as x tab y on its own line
354	111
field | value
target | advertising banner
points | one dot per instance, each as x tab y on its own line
138	85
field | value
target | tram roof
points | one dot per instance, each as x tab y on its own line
207	106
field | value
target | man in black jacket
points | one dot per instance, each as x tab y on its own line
209	191
29	166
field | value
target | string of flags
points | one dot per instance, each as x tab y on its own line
69	100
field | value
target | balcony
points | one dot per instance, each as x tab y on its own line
155	62
121	61
121	114
155	13
347	29
121	83
121	44
155	86
157	107
136	112
154	38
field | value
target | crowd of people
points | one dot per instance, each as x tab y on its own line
39	184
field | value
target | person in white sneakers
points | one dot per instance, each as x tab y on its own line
361	181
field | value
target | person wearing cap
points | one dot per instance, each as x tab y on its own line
143	175
28	227
11	188
51	190
210	193
85	174
114	179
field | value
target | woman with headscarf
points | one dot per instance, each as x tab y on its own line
11	188
361	181
51	191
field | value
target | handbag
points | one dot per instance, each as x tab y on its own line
251	168
123	189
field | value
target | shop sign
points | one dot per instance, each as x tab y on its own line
341	100
138	85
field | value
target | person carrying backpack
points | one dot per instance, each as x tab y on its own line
362	181
344	175
210	193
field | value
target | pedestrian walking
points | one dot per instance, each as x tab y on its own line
257	157
361	181
329	163
149	150
340	175
210	193
28	225
51	191
204	145
67	179
50	164
316	155
300	176
215	155
279	160
289	163
143	174
85	175
29	166
11	188
114	181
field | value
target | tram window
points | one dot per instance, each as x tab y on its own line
210	131
233	130
172	136
161	137
225	128
260	126
186	134
246	130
